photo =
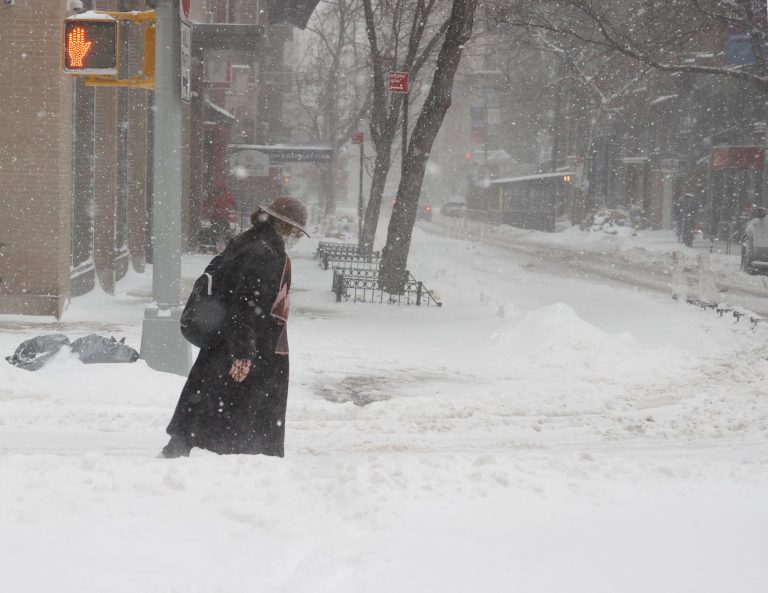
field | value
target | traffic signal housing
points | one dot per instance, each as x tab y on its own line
91	45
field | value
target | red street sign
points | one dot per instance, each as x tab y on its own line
357	137
398	82
737	157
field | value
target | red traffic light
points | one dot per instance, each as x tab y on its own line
91	46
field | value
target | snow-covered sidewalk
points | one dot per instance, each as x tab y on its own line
539	433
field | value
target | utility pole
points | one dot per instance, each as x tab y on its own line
485	133
399	82
404	159
357	138
162	345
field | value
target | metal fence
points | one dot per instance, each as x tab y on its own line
326	248
344	254
361	285
356	277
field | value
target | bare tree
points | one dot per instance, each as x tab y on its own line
660	34
603	78
613	47
402	36
332	83
457	33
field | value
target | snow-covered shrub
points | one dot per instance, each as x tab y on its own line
612	221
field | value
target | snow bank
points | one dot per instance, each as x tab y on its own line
557	336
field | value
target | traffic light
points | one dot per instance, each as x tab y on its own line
91	45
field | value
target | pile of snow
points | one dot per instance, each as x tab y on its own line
557	336
610	221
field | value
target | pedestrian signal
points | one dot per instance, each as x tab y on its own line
91	46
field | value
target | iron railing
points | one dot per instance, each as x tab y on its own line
335	261
346	254
326	248
369	273
361	285
350	267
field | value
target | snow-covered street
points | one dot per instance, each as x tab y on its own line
538	433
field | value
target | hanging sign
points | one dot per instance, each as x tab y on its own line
398	82
737	157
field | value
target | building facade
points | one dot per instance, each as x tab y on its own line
636	138
76	161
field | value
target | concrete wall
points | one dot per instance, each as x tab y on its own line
66	189
35	159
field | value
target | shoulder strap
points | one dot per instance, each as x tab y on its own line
285	277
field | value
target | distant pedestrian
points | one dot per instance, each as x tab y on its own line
235	398
218	209
677	217
689	208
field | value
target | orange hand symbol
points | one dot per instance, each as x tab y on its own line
77	47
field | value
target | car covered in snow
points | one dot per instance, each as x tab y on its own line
754	247
455	208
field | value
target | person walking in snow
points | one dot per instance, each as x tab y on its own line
689	208
217	210
235	397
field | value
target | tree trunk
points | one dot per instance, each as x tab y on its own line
393	273
328	187
372	211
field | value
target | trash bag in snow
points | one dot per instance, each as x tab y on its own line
94	348
33	354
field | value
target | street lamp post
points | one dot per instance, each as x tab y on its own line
162	345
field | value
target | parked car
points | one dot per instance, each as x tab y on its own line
453	208
754	247
424	213
340	225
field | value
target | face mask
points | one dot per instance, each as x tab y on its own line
291	240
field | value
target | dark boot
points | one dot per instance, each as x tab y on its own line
176	447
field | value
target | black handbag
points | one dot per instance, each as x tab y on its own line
203	317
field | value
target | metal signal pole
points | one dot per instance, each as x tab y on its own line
162	345
404	134
360	200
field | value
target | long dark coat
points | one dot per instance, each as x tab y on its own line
214	411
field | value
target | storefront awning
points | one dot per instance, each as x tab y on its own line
217	115
280	154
